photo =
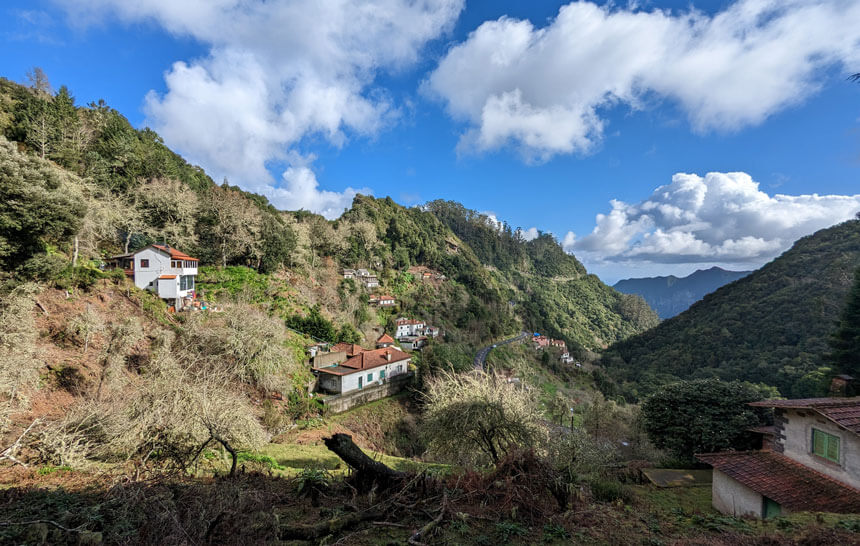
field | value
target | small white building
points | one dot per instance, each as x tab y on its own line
811	464
363	370
409	327
161	269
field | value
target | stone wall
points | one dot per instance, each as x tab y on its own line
342	402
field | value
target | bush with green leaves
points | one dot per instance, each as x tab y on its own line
703	416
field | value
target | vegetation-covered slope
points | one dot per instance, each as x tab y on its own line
671	295
772	326
550	290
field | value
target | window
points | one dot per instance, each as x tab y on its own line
382	374
186	282
369	377
825	445
144	263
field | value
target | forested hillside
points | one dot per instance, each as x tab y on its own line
551	291
85	185
671	295
772	326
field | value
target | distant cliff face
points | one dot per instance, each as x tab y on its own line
672	295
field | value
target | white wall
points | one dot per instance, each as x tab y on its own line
350	382
731	497
159	264
409	329
168	288
797	430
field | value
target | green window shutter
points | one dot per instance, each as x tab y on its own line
369	377
818	442
825	445
833	449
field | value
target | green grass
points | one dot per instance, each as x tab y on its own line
291	459
669	500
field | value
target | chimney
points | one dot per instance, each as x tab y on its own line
388	356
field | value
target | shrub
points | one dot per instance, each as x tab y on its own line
603	490
479	418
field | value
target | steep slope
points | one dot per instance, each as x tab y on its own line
772	326
672	295
550	290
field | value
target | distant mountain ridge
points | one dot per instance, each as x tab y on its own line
772	326
671	295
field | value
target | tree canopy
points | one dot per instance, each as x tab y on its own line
702	416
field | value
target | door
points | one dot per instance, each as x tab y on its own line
360	381
772	508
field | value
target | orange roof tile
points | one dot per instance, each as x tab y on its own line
176	254
374	359
350	349
794	486
385	338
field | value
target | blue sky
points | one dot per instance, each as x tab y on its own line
540	113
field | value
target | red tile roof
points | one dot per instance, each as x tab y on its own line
402	321
372	359
845	412
368	360
350	349
385	338
175	254
794	486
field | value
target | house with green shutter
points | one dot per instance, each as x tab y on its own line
809	461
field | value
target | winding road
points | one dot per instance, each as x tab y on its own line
481	356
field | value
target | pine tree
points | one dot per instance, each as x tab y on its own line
845	342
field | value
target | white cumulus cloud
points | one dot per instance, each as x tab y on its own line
276	73
719	218
530	234
541	90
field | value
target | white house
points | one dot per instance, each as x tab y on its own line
363	370
409	327
164	270
812	462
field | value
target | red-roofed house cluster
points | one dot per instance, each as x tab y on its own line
349	367
810	461
543	342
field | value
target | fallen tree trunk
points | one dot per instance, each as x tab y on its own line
367	471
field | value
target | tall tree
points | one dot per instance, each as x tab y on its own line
229	224
38	80
845	342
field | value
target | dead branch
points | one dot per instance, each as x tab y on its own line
41	521
42	307
325	528
9	452
421	533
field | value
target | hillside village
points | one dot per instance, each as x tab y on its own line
181	362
